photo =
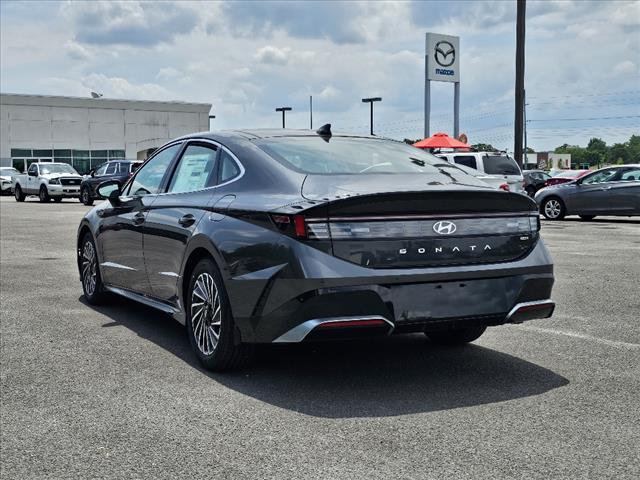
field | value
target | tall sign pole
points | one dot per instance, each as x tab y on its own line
442	64
519	116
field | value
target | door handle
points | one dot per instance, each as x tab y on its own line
187	220
138	218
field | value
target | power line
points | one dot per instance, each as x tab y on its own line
581	119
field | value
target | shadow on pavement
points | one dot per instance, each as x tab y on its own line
381	377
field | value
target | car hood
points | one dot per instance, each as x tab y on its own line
316	187
5	177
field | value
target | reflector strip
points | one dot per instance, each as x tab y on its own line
353	323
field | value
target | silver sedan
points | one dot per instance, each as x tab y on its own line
609	191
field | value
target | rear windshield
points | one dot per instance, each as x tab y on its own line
500	165
345	155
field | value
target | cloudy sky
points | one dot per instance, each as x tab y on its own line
246	58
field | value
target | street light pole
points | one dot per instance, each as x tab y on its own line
283	109
211	117
519	116
370	101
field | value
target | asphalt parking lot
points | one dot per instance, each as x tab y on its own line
115	392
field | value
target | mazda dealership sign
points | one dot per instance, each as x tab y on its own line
443	58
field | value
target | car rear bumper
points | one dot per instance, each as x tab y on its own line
291	310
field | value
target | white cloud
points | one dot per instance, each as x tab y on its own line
272	55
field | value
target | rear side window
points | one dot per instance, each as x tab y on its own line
466	160
500	165
195	170
228	167
600	177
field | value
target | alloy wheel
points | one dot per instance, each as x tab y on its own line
89	268
85	196
206	313
552	208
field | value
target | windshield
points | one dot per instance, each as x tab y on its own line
500	165
8	171
56	168
344	155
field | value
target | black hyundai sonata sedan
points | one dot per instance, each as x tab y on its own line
287	236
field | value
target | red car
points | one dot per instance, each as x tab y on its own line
566	176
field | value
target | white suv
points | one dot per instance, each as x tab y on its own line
497	164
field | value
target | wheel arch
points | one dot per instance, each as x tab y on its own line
199	247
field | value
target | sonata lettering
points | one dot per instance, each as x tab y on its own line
455	249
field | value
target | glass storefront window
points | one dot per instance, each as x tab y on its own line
116	154
43	153
20	152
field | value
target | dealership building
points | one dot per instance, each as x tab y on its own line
86	132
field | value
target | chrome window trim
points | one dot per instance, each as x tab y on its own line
218	145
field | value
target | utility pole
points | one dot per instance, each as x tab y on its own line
310	112
524	116
519	114
211	117
283	110
370	102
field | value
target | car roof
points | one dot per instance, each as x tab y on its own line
260	133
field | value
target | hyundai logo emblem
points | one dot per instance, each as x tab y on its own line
444	227
442	51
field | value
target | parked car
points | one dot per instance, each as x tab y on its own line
6	178
119	170
566	176
49	181
493	181
491	163
609	191
286	236
534	180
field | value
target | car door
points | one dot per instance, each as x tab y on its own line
624	195
591	194
175	215
97	178
121	227
32	179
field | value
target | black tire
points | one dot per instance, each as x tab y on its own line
587	217
18	194
224	353
85	197
57	199
88	265
553	208
43	194
458	336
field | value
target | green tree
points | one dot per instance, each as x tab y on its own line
484	147
633	148
618	153
596	151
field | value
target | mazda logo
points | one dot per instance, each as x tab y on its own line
444	227
442	51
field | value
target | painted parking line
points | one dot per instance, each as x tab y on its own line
582	336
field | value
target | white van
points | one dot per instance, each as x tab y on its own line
491	163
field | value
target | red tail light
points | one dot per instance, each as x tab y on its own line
301	226
353	323
505	187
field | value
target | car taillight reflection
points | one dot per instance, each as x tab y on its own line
505	187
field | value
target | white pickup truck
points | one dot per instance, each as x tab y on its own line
49	181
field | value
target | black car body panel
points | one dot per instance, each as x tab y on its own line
120	170
367	248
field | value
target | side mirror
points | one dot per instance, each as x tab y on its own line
92	173
32	174
111	191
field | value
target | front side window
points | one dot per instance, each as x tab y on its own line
631	175
195	170
466	160
600	177
101	170
111	168
345	155
148	180
33	169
